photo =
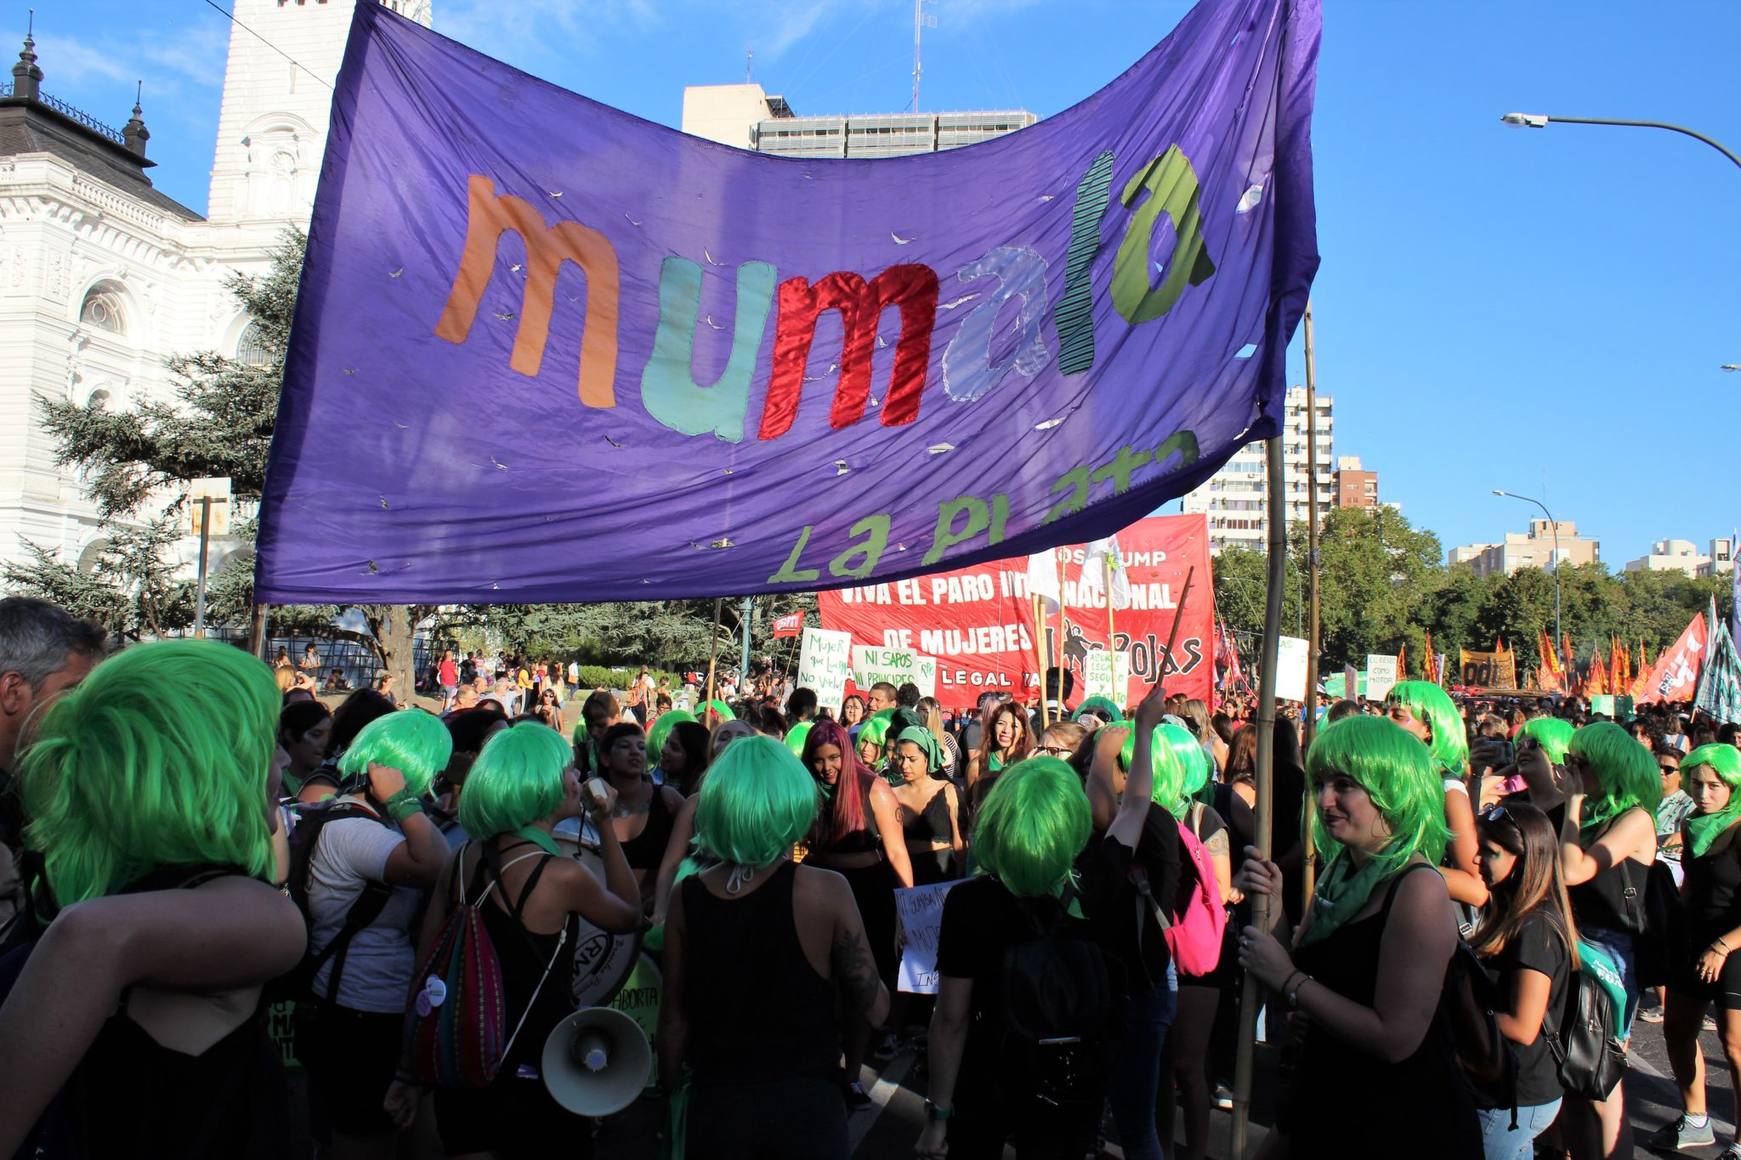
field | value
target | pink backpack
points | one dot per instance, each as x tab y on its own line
1194	934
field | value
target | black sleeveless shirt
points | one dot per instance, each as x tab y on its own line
757	1009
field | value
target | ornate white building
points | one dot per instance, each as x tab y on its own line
102	278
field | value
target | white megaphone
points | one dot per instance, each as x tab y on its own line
596	1061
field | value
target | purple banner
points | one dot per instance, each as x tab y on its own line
546	351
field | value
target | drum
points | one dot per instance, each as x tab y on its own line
603	960
639	999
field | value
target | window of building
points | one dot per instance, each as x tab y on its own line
251	349
99	400
102	309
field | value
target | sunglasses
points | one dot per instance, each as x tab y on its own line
1667	769
1496	813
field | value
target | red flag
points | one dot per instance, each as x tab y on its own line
1675	676
792	624
1597	686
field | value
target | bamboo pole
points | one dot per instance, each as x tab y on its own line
1040	657
1266	746
712	658
1309	719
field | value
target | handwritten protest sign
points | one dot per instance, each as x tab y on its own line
824	664
1106	674
871	664
1291	668
920	911
1380	675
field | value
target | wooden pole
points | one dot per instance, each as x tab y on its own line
1266	748
1063	660
1309	719
712	659
1040	657
1173	636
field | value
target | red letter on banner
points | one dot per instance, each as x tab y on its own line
913	288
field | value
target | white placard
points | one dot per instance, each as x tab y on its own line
872	663
919	910
824	664
1380	675
1106	673
1291	668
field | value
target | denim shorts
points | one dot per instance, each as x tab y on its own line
1618	944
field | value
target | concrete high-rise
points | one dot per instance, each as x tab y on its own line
748	117
1236	498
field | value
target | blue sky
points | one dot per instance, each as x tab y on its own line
1539	311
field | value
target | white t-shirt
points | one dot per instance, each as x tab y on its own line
381	960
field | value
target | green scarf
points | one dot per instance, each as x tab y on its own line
1342	890
539	839
1704	829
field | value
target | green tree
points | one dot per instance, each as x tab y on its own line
220	423
1375	573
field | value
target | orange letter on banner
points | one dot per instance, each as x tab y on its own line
911	287
547	247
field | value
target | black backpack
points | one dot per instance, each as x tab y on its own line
1059	1010
1584	1047
309	822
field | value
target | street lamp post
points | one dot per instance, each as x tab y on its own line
1541	121
1559	639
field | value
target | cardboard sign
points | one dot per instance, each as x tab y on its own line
919	909
1380	675
1106	674
1291	668
871	664
216	490
825	664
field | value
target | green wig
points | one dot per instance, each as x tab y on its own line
795	738
1031	826
1193	763
161	757
1553	734
1170	775
1398	774
516	780
413	742
875	729
757	803
1101	707
1626	771
656	736
1725	762
1429	703
721	711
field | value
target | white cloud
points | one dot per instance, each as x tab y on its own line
65	58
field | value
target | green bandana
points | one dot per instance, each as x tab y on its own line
540	839
1600	814
1342	890
1704	829
927	744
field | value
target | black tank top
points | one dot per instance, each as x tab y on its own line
524	956
757	1010
131	1096
1423	1099
1613	900
647	849
1713	890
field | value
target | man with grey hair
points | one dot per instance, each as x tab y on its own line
44	649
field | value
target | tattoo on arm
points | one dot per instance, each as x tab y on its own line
855	970
1217	844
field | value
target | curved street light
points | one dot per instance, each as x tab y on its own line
1542	120
1558	637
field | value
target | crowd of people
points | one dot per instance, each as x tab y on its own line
1448	878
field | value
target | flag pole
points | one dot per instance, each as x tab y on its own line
1309	717
1178	615
1266	747
1040	657
1063	657
713	658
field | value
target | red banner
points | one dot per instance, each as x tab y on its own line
979	622
790	625
1675	676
